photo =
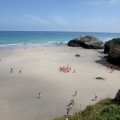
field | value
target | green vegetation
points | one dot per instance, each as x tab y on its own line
103	110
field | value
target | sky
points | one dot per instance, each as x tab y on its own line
60	15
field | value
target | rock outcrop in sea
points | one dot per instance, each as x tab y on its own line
88	42
112	48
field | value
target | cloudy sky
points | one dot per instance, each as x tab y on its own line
60	15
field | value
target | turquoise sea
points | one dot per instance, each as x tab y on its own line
30	38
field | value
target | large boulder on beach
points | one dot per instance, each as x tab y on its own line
88	42
74	43
107	47
112	48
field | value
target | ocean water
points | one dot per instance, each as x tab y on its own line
30	38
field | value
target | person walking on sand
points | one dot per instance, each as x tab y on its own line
71	103
39	95
20	71
74	71
75	93
95	97
60	68
11	70
69	108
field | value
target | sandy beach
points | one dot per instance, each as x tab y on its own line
40	73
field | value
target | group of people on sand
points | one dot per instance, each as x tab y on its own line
71	103
11	71
66	69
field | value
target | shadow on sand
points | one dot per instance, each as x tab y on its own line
103	61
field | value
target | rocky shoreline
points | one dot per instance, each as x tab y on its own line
111	47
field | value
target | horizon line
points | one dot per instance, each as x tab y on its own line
55	31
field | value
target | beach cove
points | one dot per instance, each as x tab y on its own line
59	60
40	91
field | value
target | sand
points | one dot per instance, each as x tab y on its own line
19	92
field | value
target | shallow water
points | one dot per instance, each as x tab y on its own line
30	38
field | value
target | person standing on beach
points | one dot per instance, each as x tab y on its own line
75	94
95	97
11	70
20	71
74	71
68	109
39	95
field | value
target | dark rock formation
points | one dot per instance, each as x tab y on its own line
77	55
106	47
99	78
74	43
88	42
112	48
117	97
